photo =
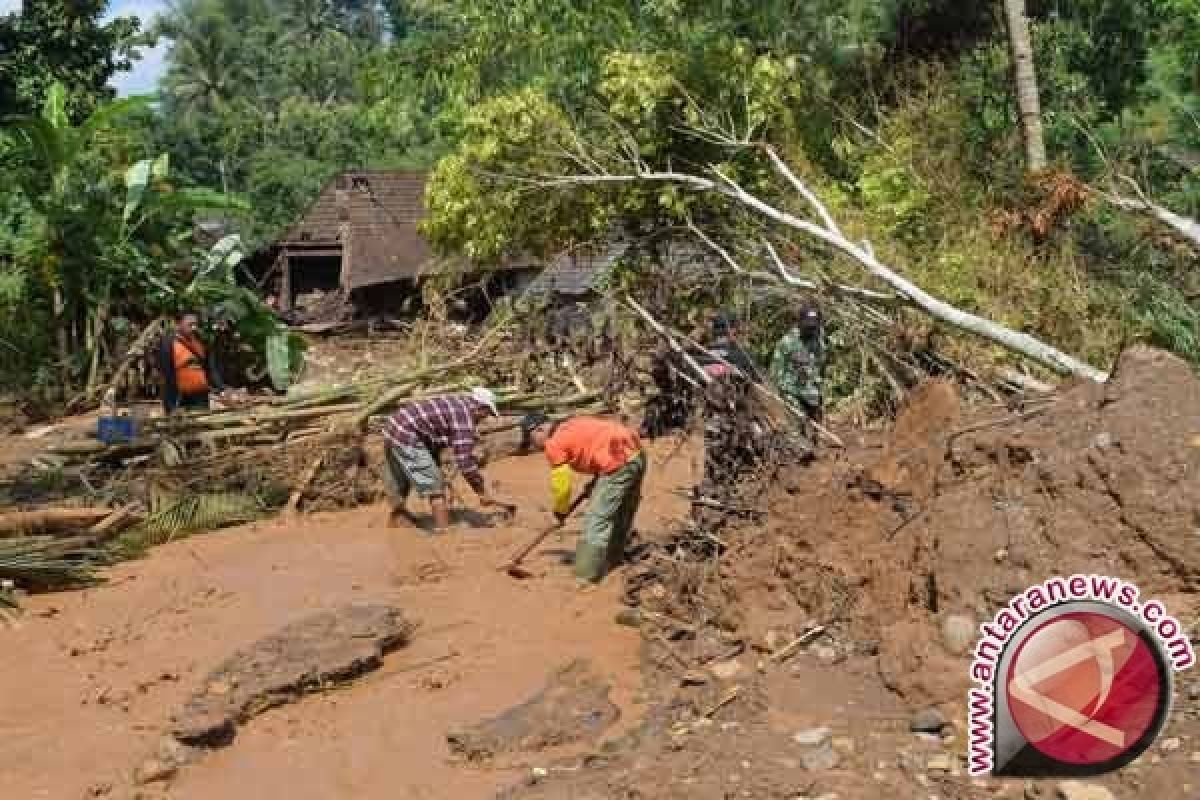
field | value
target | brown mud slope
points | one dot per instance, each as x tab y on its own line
899	550
955	517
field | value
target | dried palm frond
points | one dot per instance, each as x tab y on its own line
179	515
49	562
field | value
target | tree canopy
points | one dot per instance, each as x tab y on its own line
901	114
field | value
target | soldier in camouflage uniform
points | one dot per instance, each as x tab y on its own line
798	363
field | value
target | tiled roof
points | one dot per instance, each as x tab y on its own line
579	271
374	217
585	268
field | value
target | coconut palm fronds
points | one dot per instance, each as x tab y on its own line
179	515
49	562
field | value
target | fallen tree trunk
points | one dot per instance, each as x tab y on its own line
25	523
1187	228
828	232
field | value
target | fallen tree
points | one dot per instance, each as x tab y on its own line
1188	228
825	229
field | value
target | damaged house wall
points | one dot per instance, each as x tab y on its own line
359	248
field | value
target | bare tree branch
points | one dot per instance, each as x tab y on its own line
1015	341
671	341
1184	226
786	171
721	251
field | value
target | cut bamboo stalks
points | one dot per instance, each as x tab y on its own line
115	523
293	504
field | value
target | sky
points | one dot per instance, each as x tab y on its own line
146	70
150	67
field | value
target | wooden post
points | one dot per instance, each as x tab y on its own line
285	281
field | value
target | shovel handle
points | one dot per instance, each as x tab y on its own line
527	549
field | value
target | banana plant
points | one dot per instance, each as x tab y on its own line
50	150
107	235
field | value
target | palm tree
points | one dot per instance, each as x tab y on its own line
207	68
1025	78
308	20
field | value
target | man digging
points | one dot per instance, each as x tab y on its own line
416	435
613	454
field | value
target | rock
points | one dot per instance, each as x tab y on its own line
958	634
1102	440
843	744
1000	555
1195	758
693	677
1170	745
1078	790
726	670
818	759
941	762
928	720
630	617
152	770
573	706
812	737
314	653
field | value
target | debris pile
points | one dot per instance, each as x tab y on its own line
903	548
192	472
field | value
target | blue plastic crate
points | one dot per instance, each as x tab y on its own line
114	430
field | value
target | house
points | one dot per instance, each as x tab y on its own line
585	272
360	246
579	274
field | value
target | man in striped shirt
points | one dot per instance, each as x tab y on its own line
416	435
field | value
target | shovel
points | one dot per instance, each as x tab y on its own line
513	565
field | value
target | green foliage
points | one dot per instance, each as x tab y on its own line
1164	317
62	42
900	112
91	234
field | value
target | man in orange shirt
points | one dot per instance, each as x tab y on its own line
189	373
612	453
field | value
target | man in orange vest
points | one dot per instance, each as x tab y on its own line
612	453
189	374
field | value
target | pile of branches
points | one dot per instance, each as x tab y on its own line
192	472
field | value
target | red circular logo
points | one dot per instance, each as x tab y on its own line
1084	689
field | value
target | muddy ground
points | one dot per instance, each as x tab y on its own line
881	544
90	680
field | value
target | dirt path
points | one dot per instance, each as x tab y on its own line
89	680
